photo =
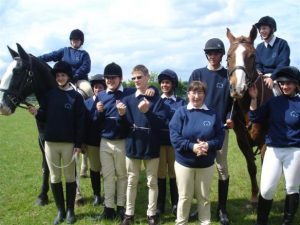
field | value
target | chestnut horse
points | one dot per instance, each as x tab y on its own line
242	74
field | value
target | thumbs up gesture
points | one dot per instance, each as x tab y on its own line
144	105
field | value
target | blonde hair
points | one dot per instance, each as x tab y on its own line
140	68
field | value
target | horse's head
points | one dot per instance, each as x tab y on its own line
241	62
20	80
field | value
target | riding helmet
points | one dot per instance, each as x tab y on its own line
97	79
63	67
214	44
266	20
77	34
288	73
168	74
112	70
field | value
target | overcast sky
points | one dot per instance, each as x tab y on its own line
157	33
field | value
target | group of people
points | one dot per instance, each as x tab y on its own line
122	129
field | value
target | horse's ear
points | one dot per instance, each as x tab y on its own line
13	53
230	35
253	33
22	53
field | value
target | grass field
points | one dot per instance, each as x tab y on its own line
20	179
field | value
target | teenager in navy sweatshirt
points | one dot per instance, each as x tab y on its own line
112	148
196	133
63	112
168	81
273	53
145	116
283	144
217	97
92	140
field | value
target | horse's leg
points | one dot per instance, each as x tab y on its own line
42	198
247	151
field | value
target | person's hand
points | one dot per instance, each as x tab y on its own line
32	110
100	106
229	123
200	148
144	105
121	107
269	82
150	92
76	151
253	91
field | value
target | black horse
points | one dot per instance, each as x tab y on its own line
28	75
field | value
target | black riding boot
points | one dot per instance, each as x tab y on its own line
263	210
174	195
290	208
96	185
161	198
223	186
70	194
42	198
58	196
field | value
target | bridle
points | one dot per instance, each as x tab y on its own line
250	77
16	97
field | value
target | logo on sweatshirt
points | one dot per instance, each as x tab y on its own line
68	106
294	114
206	123
220	85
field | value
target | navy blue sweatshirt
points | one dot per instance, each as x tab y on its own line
113	126
63	112
271	59
172	105
93	127
283	116
217	96
186	127
143	141
77	58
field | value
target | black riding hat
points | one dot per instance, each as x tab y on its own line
214	44
97	79
168	74
288	73
63	67
113	69
77	34
266	20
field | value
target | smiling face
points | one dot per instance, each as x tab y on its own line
288	87
265	31
196	93
112	82
166	87
61	78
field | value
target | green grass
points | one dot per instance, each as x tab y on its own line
20	179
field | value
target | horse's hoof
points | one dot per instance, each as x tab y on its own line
42	201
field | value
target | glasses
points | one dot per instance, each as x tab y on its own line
136	78
199	93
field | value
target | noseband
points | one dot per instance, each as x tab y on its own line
16	97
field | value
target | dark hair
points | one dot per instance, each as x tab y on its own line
197	86
141	68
